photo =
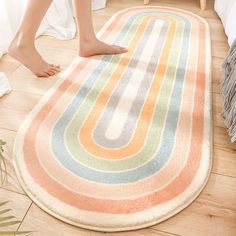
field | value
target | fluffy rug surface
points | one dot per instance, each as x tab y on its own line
228	91
123	142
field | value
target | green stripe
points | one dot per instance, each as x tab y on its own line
149	150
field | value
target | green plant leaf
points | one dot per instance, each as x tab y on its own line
3	203
4	211
6	218
15	222
15	232
3	168
2	142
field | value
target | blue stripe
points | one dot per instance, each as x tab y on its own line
167	143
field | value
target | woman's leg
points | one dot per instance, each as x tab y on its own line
22	47
89	44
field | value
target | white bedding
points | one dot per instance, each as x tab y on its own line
226	9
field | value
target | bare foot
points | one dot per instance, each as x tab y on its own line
96	47
30	58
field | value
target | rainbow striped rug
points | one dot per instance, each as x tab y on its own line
123	142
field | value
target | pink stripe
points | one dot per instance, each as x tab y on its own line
153	183
175	188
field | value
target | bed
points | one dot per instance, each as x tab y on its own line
202	3
227	12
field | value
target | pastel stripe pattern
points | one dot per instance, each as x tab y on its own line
123	142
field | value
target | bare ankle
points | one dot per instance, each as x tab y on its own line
87	39
21	42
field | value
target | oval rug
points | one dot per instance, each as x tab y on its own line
123	142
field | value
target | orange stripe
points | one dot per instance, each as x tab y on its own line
176	163
172	190
86	131
167	173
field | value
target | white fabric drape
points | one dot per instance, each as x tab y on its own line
58	22
227	12
5	87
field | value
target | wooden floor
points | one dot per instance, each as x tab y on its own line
212	213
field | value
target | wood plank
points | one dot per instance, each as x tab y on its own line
224	153
224	162
221	139
22	80
213	213
8	65
216	80
54	54
45	41
147	231
11	119
219	49
21	101
217	109
44	225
